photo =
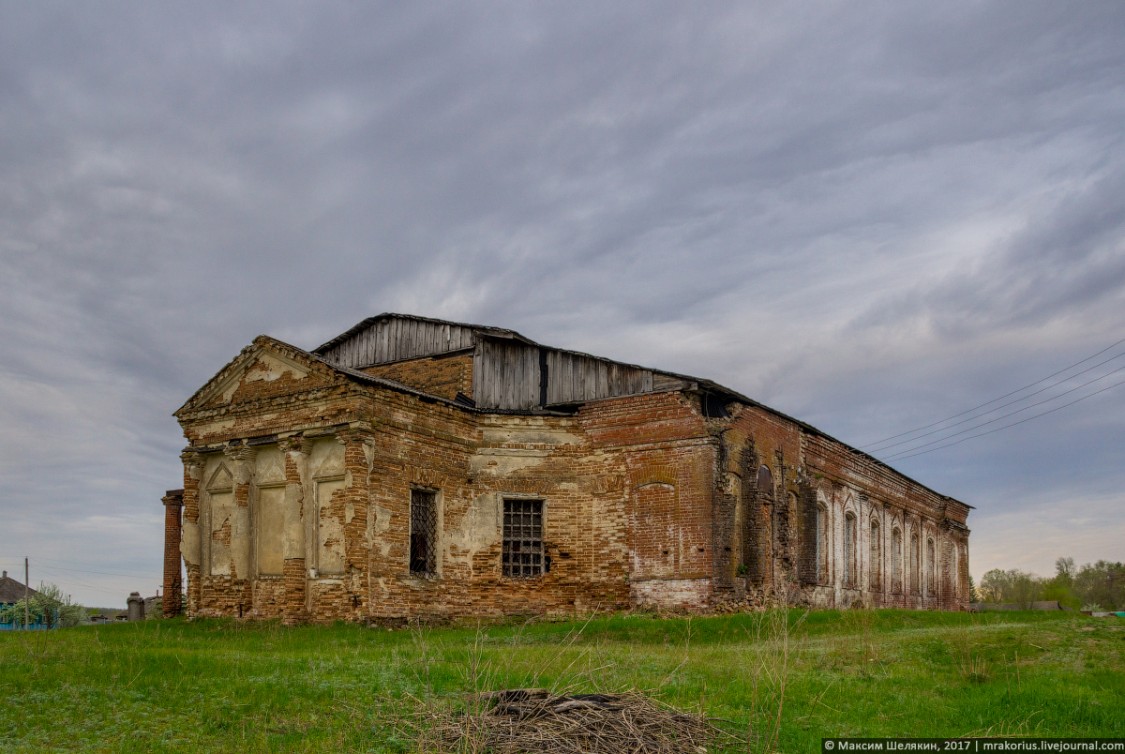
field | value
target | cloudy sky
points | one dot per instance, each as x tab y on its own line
872	216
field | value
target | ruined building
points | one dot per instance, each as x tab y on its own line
415	467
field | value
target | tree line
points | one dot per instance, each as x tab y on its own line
1094	586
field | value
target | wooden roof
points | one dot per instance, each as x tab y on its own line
514	374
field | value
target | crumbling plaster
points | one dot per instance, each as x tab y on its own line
298	479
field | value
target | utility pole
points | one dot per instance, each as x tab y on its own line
26	597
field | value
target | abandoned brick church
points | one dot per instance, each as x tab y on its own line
412	467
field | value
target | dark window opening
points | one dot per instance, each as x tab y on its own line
714	407
423	532
523	539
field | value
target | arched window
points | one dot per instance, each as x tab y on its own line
956	570
851	577
896	560
915	564
931	568
822	543
765	481
876	557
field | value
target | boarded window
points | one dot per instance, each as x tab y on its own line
523	538
423	532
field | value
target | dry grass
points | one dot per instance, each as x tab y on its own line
520	721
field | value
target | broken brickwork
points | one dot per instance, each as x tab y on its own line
646	489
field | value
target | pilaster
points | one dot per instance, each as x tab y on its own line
295	450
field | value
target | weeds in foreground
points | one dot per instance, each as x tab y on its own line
781	680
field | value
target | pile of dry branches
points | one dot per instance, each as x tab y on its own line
534	720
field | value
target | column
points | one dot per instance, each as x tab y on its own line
173	508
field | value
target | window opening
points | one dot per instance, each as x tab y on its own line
931	568
523	539
423	532
822	544
896	561
876	557
850	549
915	564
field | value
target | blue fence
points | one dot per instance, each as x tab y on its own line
38	625
17	627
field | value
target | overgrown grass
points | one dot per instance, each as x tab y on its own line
780	681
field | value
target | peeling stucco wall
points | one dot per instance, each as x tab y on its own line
298	482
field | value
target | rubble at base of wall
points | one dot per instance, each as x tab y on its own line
671	594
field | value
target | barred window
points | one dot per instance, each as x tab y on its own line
423	532
523	538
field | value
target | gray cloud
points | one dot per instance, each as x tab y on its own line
868	216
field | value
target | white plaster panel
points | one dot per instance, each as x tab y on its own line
271	530
222	508
330	528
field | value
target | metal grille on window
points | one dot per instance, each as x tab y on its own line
423	532
523	538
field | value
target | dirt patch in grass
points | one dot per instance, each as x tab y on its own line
534	720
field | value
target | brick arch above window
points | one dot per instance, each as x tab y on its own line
652	474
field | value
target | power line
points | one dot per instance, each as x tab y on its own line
1006	395
1007	426
1004	405
100	573
70	580
998	418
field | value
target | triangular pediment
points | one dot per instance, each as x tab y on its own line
265	368
221	480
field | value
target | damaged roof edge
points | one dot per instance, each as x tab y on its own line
364	324
489	331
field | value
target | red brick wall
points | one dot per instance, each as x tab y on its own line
444	376
172	602
645	502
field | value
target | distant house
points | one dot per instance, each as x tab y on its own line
11	592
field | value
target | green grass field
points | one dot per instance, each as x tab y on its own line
780	681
